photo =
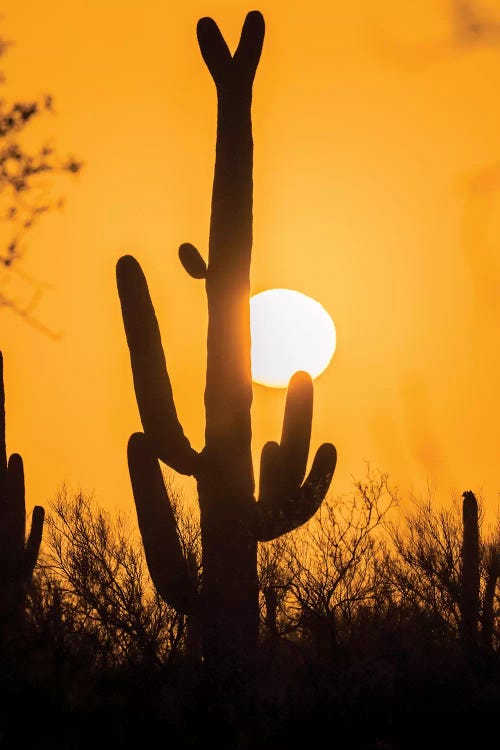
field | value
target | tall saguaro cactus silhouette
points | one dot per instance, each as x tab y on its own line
232	520
18	556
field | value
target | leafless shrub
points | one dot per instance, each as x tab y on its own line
94	573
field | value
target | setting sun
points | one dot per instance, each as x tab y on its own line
290	332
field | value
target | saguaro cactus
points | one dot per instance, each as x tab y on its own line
232	520
492	568
17	556
469	604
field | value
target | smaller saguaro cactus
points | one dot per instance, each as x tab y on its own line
492	567
18	556
469	598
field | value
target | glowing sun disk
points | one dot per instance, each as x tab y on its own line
290	332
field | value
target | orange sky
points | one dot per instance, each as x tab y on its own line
376	191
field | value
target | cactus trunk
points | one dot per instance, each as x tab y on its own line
225	477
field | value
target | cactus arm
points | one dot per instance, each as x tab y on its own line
247	55
296	432
14	512
192	261
285	500
167	565
214	49
272	472
283	465
227	70
34	541
317	483
151	381
21	558
278	513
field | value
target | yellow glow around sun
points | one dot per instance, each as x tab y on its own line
290	332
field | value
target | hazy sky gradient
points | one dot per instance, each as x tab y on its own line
376	191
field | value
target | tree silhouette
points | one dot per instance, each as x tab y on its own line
24	196
426	567
337	565
94	565
232	521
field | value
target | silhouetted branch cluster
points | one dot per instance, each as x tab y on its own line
472	24
425	571
24	198
25	192
95	569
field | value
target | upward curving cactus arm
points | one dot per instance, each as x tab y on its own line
22	556
149	369
296	430
232	73
280	513
33	542
286	501
168	567
17	556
